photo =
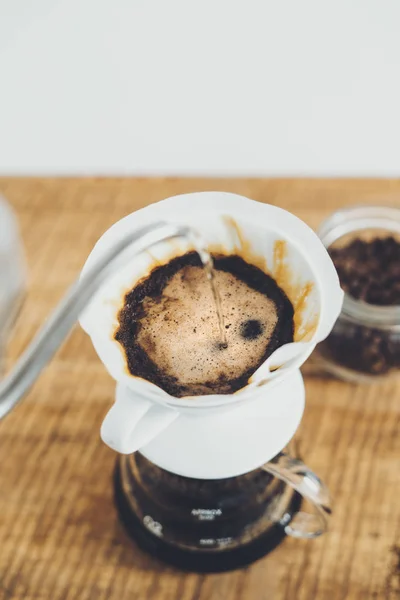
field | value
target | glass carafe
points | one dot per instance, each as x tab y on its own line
218	524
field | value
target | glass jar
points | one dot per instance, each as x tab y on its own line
364	344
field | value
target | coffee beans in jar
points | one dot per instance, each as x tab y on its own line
364	244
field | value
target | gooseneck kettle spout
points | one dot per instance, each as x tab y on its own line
61	321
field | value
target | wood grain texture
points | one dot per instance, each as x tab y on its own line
59	535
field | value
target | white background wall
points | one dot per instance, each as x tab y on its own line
263	87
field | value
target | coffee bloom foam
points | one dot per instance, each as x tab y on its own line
178	329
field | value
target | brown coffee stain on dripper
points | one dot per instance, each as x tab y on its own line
242	246
304	331
297	292
281	273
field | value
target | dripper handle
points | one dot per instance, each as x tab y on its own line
298	476
133	421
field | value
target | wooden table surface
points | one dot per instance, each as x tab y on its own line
59	535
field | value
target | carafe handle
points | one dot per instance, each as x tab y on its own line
298	476
133	421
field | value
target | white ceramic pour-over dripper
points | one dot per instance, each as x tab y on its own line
264	235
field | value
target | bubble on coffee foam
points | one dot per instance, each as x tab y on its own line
180	332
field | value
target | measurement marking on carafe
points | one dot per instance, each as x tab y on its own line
206	514
207	542
216	542
153	526
224	541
